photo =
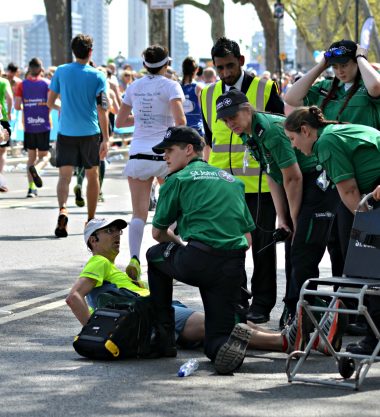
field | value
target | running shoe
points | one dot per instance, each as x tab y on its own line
61	229
79	201
36	178
133	270
334	328
31	193
232	353
296	335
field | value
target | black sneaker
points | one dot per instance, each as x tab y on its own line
36	178
31	193
61	229
257	318
365	346
231	355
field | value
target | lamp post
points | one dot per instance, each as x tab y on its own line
278	14
357	21
69	31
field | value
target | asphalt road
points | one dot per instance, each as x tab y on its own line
41	375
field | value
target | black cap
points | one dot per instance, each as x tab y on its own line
228	103
341	52
178	134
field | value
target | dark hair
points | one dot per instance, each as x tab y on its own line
311	116
89	245
12	67
334	86
189	66
81	46
224	47
35	66
198	148
153	54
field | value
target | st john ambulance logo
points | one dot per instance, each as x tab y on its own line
226	176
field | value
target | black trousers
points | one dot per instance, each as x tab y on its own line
339	239
219	279
264	278
314	223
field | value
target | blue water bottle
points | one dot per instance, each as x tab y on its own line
188	367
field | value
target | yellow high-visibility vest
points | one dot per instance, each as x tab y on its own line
227	148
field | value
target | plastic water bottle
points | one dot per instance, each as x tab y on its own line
188	367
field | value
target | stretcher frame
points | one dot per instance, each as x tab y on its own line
348	363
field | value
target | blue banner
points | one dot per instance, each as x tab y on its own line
365	35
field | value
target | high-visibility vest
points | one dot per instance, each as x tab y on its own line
227	148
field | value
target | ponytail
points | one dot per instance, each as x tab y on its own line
311	116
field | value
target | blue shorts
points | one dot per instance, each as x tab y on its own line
181	315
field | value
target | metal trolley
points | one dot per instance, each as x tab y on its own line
361	279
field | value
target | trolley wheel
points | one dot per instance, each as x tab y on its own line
346	367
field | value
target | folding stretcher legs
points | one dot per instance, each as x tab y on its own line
348	363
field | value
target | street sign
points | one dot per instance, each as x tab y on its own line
161	4
278	11
282	56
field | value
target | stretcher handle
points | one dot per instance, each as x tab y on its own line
363	201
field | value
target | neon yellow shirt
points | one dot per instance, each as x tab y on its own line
101	269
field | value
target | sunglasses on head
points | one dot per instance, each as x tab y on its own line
341	50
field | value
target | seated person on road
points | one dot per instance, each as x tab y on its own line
102	237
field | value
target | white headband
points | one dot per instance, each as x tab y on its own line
156	64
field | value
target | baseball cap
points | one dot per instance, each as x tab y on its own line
341	52
178	134
228	103
97	224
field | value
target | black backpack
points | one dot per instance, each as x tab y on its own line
120	327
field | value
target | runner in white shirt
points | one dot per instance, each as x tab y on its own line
156	103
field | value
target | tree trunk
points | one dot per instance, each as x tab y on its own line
215	9
216	13
268	22
158	27
56	16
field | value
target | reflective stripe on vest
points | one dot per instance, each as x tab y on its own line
228	150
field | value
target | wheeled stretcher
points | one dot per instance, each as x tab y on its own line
361	279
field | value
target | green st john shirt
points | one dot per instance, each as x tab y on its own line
270	146
350	151
208	205
361	108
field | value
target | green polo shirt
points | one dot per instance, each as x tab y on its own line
350	151
273	148
361	108
208	205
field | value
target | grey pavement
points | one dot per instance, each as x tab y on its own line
41	375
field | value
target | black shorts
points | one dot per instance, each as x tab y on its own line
6	126
78	151
38	141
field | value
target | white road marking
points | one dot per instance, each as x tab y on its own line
36	300
32	311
